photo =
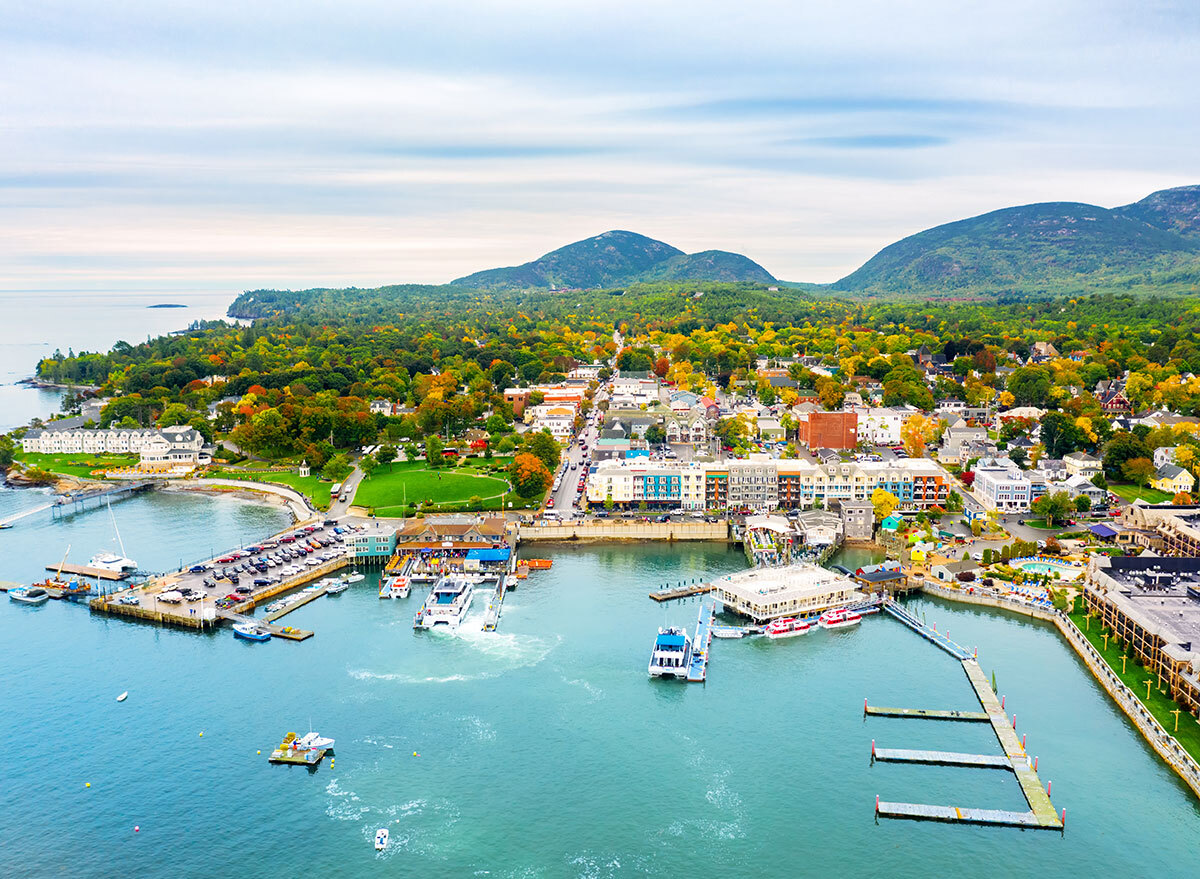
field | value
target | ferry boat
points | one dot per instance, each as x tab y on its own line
446	605
29	595
671	654
839	619
251	632
394	587
786	628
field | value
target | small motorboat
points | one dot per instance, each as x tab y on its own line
839	619
356	577
123	696
29	595
786	628
311	741
336	588
251	632
381	839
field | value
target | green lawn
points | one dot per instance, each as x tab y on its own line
1131	493
311	487
447	487
1135	676
75	464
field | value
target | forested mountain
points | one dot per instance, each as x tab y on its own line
1057	247
616	258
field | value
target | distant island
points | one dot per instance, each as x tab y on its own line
167	305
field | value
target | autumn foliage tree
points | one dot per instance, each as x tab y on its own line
529	475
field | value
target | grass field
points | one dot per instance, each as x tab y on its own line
310	486
1135	677
1132	492
445	487
75	464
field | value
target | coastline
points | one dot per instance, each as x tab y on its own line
1163	743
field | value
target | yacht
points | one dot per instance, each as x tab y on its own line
336	587
29	595
839	619
310	741
446	605
110	561
671	654
786	628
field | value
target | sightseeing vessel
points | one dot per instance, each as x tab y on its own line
786	628
446	605
839	619
671	654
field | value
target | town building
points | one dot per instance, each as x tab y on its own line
179	444
828	430
765	594
1173	479
858	519
1082	464
658	485
880	426
1002	485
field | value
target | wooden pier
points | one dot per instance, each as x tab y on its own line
956	814
682	591
940	758
303	599
287	632
698	665
927	713
85	571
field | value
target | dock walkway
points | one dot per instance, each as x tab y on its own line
303	599
276	631
683	590
929	633
940	758
927	713
698	665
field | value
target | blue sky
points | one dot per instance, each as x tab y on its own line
156	146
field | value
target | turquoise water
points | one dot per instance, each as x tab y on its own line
1050	568
544	749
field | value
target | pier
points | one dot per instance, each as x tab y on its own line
85	571
698	665
492	618
77	502
683	590
303	599
287	632
1041	814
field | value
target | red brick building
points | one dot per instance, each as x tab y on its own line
828	430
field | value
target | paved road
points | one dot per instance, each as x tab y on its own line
337	508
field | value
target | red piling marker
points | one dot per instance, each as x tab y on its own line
1014	721
1022	742
1064	817
877	807
1048	787
1002	698
864	704
1035	764
872	749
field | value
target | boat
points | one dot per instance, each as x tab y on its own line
446	605
381	839
394	587
839	619
251	632
29	595
276	606
336	588
355	577
728	632
671	654
310	741
123	696
110	561
786	628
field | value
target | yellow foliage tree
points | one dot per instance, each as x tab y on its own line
916	431
884	503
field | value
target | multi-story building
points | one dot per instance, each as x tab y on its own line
177	444
1001	485
658	485
828	430
879	426
1082	464
753	483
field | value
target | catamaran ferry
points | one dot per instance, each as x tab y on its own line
446	605
839	619
671	654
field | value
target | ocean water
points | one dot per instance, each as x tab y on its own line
543	749
37	324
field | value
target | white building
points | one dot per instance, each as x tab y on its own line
770	593
171	444
880	426
1082	464
558	418
631	482
1001	485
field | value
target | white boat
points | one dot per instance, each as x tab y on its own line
728	632
381	839
110	561
786	628
123	696
671	654
394	587
839	619
446	605
29	595
355	577
310	741
336	588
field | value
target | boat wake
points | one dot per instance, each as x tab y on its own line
500	652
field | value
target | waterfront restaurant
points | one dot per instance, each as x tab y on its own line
765	594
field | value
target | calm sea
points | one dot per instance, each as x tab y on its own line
37	324
543	749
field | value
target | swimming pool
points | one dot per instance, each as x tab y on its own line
1044	566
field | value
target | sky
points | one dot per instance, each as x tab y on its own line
147	145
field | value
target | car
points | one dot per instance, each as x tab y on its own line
287	539
663	518
207	583
550	503
226	559
260	581
197	569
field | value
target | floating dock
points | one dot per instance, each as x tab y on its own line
929	633
303	599
492	618
940	758
286	632
85	571
698	665
683	590
285	754
956	814
927	713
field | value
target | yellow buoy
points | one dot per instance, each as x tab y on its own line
87	784
258	752
202	733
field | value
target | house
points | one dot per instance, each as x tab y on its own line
1001	485
518	398
1082	464
1041	351
1173	479
956	438
1054	469
1081	485
949	571
770	429
880	426
858	519
381	407
689	428
1165	455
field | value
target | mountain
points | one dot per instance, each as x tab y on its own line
1033	247
1177	210
618	258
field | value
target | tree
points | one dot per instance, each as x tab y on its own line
954	502
506	445
173	414
545	447
337	468
884	503
989	555
976	527
1017	456
1123	447
433	450
529	474
1138	470
1083	504
386	454
368	464
1182	499
915	432
608	503
655	435
1054	508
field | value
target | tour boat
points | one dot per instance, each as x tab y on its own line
839	619
381	839
671	654
251	632
786	628
29	595
395	587
446	605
